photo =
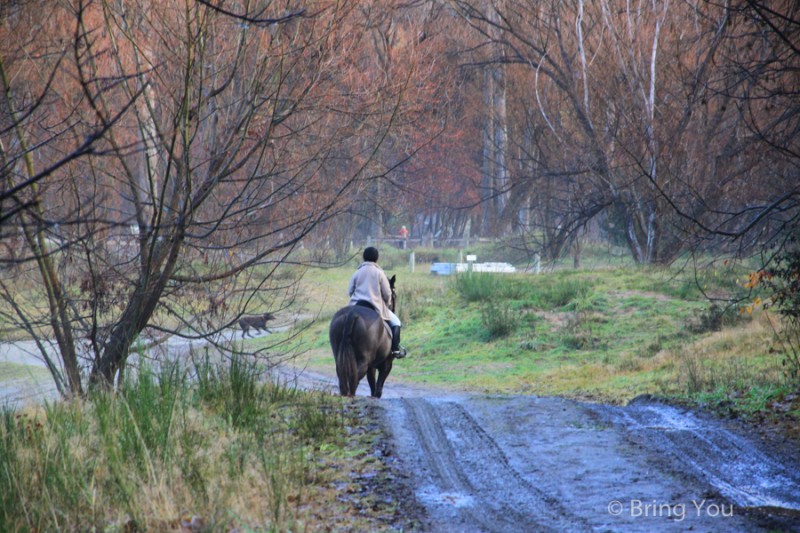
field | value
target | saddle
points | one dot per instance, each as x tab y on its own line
370	305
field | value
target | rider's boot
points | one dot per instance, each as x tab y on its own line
397	351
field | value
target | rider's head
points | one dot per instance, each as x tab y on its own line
371	254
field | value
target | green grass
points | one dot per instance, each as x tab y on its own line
607	334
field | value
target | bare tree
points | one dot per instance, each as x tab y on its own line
220	139
759	60
623	115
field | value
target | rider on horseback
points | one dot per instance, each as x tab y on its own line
370	284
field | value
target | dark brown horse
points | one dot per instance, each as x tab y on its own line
361	345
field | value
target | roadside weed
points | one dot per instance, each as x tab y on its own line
231	449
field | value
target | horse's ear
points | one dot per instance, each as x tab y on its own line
392	279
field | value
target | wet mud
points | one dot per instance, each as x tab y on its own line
501	463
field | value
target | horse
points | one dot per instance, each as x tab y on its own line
362	345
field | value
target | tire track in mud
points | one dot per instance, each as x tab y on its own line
520	464
747	476
471	481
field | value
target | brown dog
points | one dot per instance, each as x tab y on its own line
257	322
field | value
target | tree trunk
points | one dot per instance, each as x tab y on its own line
488	163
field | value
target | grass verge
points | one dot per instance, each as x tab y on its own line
209	447
604	335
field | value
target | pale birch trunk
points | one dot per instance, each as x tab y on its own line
495	179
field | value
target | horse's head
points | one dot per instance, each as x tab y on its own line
394	293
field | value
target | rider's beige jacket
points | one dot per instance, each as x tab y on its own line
370	283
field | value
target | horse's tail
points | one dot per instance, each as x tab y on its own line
346	367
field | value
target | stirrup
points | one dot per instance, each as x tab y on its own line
399	353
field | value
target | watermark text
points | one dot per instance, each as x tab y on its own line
675	511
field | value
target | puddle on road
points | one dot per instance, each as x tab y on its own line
667	418
432	496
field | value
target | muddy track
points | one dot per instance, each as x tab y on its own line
746	474
478	463
469	479
496	463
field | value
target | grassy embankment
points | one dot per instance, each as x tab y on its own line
205	448
604	334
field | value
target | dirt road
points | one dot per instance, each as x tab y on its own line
500	463
479	463
517	463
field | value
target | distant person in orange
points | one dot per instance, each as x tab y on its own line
403	236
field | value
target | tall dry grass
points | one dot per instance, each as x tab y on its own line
214	452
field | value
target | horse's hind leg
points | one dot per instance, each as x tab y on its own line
383	373
371	380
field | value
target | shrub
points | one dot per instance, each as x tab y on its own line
783	281
499	319
715	317
562	292
476	286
